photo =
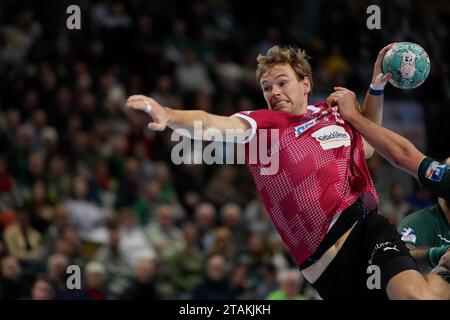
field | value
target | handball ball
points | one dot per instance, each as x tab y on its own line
408	63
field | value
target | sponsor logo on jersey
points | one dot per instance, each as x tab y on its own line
332	137
302	128
436	170
409	235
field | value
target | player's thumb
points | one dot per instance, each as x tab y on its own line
155	126
386	77
330	101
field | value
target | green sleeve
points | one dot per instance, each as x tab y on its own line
435	254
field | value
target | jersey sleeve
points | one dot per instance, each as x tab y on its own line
435	176
258	119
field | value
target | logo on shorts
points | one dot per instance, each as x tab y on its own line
302	128
409	235
332	137
391	248
387	245
436	170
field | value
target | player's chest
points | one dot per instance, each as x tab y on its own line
317	135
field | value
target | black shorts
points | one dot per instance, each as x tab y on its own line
372	242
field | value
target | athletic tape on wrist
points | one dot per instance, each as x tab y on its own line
148	107
378	84
375	92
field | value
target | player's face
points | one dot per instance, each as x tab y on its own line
283	91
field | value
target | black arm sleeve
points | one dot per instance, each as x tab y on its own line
435	176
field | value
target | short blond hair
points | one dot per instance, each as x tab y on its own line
295	57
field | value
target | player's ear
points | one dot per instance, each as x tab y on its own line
306	85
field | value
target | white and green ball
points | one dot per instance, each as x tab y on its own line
408	63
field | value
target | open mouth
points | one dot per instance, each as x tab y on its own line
280	104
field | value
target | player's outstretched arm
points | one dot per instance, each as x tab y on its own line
393	147
164	117
399	151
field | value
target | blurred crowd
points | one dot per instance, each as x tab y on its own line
84	182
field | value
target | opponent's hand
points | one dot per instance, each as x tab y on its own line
153	108
445	260
379	79
346	102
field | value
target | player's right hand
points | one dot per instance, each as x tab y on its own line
149	105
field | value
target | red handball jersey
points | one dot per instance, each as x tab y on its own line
322	171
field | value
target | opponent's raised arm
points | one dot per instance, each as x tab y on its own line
393	147
164	117
373	102
398	150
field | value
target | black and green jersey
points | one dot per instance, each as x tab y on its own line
427	227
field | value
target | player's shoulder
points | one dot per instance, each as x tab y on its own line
266	116
311	108
411	226
437	215
256	112
263	112
318	106
419	218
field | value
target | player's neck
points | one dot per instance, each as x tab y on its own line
444	206
298	110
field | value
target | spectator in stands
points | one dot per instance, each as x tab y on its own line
21	240
13	284
186	266
290	282
214	285
84	214
165	237
133	242
95	273
205	218
143	286
43	289
396	207
231	217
